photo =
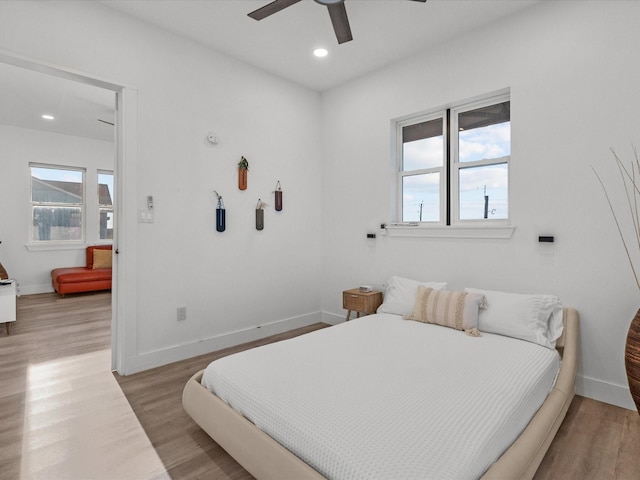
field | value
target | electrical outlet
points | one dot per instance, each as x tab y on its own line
182	313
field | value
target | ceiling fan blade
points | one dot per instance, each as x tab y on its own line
423	1
338	14
271	8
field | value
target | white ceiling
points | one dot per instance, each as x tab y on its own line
26	95
384	32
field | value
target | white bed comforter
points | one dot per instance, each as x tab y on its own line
384	398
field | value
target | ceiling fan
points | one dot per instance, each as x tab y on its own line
337	12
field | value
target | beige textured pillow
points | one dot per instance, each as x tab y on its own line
101	258
457	310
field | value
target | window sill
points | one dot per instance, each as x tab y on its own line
457	231
33	247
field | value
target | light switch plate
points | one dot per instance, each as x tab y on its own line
145	216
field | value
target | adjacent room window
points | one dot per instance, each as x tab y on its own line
105	205
57	204
453	164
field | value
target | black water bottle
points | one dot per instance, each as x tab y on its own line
220	220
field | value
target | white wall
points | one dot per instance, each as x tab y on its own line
18	148
231	283
573	74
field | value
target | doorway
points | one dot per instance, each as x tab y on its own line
95	118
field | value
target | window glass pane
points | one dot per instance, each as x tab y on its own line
105	223
57	198
421	198
56	223
422	145
484	133
484	192
49	185
105	206
105	189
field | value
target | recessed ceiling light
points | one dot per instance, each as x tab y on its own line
320	52
48	117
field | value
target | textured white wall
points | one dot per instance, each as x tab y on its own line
229	282
19	147
573	77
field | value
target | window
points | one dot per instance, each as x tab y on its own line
105	205
59	212
57	204
422	170
453	164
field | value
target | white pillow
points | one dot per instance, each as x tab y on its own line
534	318
400	295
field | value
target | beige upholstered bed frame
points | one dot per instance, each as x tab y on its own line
265	458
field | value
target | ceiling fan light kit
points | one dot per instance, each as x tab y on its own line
337	13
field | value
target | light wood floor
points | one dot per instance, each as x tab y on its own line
186	450
597	441
62	414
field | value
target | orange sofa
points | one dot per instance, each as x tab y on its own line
84	279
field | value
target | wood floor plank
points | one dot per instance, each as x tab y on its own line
628	461
156	397
63	415
595	442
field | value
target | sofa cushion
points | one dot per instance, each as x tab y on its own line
102	258
89	253
80	274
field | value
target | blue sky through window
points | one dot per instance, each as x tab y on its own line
73	176
421	192
486	143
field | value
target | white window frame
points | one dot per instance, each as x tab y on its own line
449	178
456	165
82	206
407	173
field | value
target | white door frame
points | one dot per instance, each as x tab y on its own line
123	300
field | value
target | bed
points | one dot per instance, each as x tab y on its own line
351	351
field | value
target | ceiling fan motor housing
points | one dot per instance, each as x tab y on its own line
337	12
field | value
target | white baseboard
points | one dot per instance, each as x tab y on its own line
332	318
34	289
147	360
617	395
